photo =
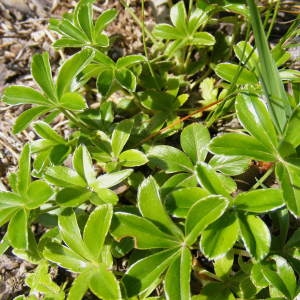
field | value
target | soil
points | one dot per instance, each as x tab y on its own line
24	32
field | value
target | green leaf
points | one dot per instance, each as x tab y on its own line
145	233
209	179
257	276
170	159
177	280
105	82
38	193
23	175
219	237
194	140
9	199
168	32
41	281
201	214
230	165
223	265
17	230
294	240
111	179
84	17
129	60
256	236
45	131
68	42
132	158
66	28
105	18
291	134
228	71
64	177
72	197
151	207
178	16
82	163
65	257
104	284
283	278
180	201
41	72
259	201
104	195
246	54
96	229
126	79
70	233
6	214
120	136
80	285
255	117
240	144
289	177
145	272
66	80
73	101
202	39
15	95
27	116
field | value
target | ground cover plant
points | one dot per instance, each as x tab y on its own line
143	199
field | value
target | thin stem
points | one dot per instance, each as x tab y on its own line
79	123
261	180
145	46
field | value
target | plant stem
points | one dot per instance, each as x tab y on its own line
262	179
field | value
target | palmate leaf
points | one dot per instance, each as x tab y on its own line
104	19
71	235
96	229
219	237
210	180
45	131
201	214
194	140
151	207
170	159
282	277
177	279
145	272
255	235
255	117
15	95
289	177
233	144
66	80
41	72
120	136
17	230
23	174
144	232
259	201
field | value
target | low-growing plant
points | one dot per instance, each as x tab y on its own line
141	200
